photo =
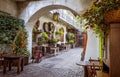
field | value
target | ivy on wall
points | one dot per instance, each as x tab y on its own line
94	18
8	28
14	34
96	13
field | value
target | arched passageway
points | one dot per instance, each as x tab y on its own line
34	6
31	16
35	10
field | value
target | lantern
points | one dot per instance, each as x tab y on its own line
56	16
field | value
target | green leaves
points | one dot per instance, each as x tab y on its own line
12	32
95	15
45	35
8	28
71	38
54	40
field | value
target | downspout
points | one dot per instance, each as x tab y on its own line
85	36
101	39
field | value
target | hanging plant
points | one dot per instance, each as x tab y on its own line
45	35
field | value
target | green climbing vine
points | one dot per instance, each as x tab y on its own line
13	34
94	18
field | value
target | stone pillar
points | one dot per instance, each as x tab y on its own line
29	27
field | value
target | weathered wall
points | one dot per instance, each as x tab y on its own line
8	6
34	7
92	48
56	24
21	5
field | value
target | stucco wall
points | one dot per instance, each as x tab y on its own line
34	10
42	19
35	6
8	6
92	49
57	25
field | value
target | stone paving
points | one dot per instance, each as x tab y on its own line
62	65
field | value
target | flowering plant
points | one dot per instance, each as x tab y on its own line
45	35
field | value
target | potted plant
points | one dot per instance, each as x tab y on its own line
45	35
54	40
72	36
13	34
19	44
71	39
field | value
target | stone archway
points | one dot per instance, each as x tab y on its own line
30	14
35	6
36	9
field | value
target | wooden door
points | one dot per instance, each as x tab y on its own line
115	50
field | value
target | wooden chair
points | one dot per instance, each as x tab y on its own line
91	71
96	61
36	54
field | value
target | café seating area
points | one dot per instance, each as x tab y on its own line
44	34
44	50
10	60
94	68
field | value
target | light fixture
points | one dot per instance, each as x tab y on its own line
56	16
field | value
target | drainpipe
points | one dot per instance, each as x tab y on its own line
85	36
101	47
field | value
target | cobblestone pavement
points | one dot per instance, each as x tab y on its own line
62	65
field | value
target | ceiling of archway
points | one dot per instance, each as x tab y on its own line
33	10
46	9
77	5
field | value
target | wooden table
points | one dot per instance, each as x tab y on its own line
66	46
8	60
85	64
55	49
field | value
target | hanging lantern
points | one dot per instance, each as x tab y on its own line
56	16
